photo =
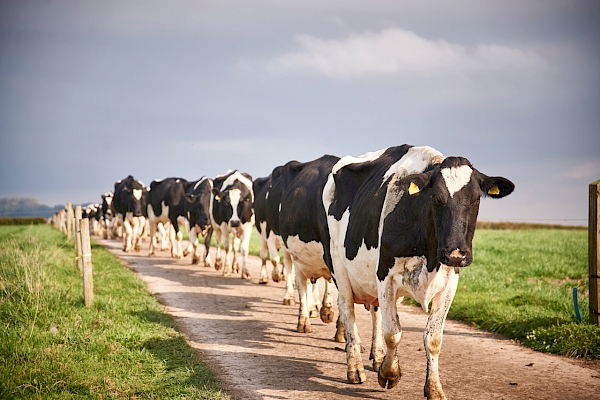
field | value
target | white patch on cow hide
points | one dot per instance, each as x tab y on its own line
109	200
456	178
308	257
410	277
414	161
137	193
373	155
234	200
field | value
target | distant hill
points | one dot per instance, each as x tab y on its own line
26	207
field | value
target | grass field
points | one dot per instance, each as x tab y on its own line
51	346
520	285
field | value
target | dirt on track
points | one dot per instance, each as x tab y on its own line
242	330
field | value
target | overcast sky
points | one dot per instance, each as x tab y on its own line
92	91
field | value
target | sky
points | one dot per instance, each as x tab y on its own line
91	92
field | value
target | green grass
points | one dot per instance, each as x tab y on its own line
51	346
520	285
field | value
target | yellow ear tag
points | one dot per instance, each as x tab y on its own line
217	198
412	189
494	190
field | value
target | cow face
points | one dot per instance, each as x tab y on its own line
235	205
197	208
450	194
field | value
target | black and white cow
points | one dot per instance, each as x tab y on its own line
231	213
167	202
401	223
267	198
130	211
198	195
108	213
295	211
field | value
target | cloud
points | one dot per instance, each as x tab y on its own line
394	52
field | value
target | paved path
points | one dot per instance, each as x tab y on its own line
248	337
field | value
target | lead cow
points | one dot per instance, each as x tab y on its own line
401	223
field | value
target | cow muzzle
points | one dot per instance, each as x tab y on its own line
235	223
456	258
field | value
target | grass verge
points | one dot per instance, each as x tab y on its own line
51	346
520	285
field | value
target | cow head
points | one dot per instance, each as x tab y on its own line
136	199
449	194
197	208
234	204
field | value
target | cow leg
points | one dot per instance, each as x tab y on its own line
314	304
340	331
356	371
139	223
207	236
440	305
219	239
302	282
244	248
227	246
176	237
288	297
327	309
389	371
153	237
128	236
236	248
193	245
263	279
377	346
274	257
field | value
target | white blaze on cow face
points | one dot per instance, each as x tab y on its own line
137	193
234	200
456	178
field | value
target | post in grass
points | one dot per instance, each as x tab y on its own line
594	251
77	240
86	258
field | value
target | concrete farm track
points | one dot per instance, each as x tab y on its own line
242	330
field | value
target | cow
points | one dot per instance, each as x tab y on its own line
107	214
198	194
231	213
295	212
269	242
401	223
167	202
93	212
130	196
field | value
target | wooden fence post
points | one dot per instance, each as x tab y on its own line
77	240
69	221
86	258
594	251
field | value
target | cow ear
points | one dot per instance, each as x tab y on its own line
413	184
217	194
496	186
189	197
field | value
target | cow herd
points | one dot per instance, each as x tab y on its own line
388	224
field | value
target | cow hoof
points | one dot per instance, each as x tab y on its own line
433	391
246	276
313	314
376	366
263	281
226	273
327	314
340	337
357	376
390	378
304	328
195	260
289	302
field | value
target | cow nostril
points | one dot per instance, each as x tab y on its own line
234	224
457	254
